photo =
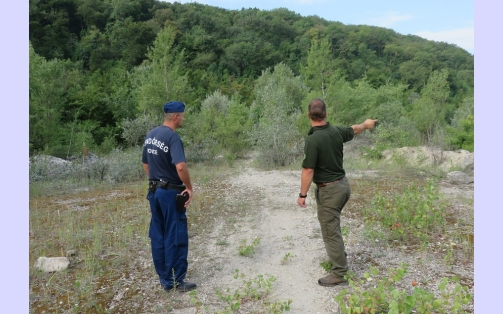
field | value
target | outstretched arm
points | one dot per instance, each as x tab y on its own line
368	124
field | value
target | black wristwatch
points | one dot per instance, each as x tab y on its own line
302	196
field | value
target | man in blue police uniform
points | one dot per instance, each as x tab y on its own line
323	165
164	163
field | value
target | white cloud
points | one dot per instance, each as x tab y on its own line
388	19
462	37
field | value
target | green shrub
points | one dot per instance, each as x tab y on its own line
462	136
368	296
135	130
125	166
44	168
410	216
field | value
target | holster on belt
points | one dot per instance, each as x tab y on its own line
180	201
152	186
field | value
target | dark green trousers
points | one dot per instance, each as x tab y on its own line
330	200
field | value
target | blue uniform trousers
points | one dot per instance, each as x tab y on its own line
169	237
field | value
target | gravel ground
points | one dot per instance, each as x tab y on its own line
285	228
262	204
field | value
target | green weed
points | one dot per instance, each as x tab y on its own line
448	258
327	266
289	245
345	231
288	257
223	242
256	289
248	249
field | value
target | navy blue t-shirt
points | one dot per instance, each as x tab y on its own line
163	149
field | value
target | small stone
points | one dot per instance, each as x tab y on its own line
459	177
51	264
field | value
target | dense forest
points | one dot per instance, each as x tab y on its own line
100	71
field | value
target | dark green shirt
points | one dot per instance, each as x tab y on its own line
323	152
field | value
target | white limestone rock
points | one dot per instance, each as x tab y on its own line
52	264
459	177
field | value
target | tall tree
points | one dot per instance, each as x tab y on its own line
221	127
461	129
164	77
428	111
320	71
278	97
51	85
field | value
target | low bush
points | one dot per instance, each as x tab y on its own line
385	296
408	217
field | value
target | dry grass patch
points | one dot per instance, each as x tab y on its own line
103	229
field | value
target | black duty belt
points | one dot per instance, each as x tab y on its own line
320	185
167	185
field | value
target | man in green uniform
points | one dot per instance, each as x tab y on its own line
323	165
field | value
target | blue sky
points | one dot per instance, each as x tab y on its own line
439	20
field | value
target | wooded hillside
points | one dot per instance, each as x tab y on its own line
100	71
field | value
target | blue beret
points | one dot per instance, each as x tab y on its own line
174	106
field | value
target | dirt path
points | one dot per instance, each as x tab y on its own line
283	228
